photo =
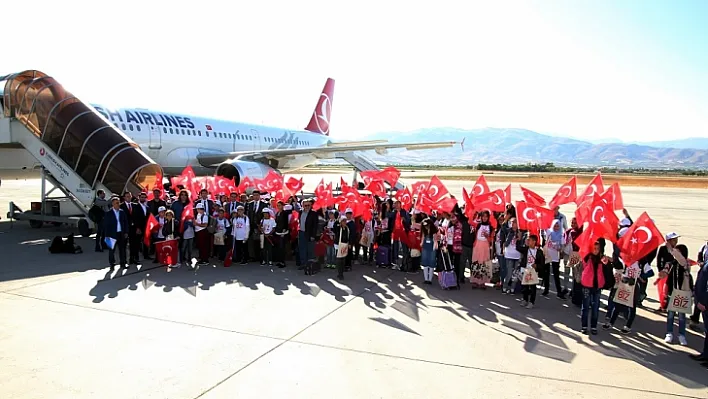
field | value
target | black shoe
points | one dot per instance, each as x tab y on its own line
147	258
340	277
705	364
281	265
698	358
584	331
98	250
593	331
562	297
154	261
606	326
125	266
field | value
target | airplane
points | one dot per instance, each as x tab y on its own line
225	148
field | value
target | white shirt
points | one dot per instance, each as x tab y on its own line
510	251
268	225
119	228
145	208
240	228
530	259
483	232
161	221
200	218
222	225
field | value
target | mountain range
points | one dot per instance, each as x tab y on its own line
516	146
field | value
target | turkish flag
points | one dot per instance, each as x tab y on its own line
613	197
405	197
595	186
445	205
469	204
151	225
533	217
641	238
436	189
158	185
507	194
493	200
480	186
566	194
167	252
587	239
229	258
273	181
419	188
424	204
531	197
187	214
376	187
390	175
293	186
246	183
601	214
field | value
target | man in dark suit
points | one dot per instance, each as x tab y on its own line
129	207
233	204
254	211
307	233
140	218
204	200
156	202
116	225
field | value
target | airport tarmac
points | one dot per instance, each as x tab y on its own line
73	328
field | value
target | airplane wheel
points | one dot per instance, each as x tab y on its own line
36	224
84	229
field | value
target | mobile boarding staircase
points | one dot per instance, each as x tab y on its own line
79	151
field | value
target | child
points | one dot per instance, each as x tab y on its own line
481	253
329	233
429	247
187	240
220	235
240	230
171	231
341	239
532	257
267	228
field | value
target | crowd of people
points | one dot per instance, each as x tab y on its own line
488	246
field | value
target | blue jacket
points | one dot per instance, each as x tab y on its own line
110	224
700	289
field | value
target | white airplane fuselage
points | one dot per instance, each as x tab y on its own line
174	141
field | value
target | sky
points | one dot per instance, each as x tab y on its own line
630	69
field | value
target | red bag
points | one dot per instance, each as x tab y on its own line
320	249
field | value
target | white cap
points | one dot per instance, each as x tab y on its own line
266	210
671	236
287	207
161	209
623	231
200	206
217	202
343	217
625	222
349	210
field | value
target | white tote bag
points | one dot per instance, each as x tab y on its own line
681	301
342	248
530	277
624	295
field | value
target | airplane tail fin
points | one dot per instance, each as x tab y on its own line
319	123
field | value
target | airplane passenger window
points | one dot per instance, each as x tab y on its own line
164	130
171	132
130	127
183	132
207	134
199	132
122	126
189	132
137	127
230	135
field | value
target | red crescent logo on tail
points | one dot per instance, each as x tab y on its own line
41	151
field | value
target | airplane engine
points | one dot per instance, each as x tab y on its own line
237	170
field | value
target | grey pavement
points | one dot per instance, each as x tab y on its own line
72	328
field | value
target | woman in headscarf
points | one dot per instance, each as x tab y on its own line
554	246
481	252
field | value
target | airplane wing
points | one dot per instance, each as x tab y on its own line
328	151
